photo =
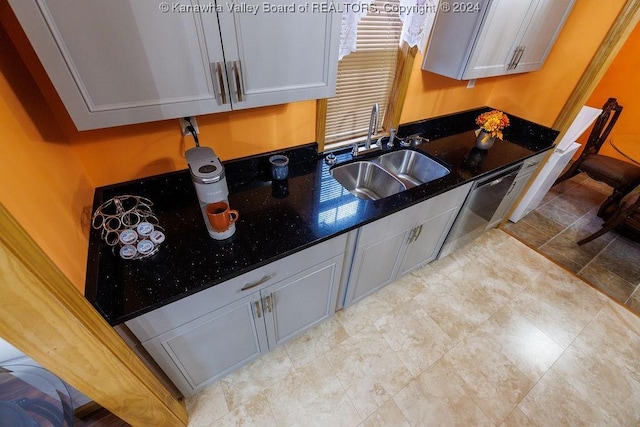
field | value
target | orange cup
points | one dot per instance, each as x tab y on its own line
220	216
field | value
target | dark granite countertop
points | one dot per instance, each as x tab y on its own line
276	218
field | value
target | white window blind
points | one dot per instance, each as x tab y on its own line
365	76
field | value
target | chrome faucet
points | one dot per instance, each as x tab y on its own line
373	129
373	125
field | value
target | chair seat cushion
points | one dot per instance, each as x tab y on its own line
616	173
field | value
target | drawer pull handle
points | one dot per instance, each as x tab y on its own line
258	309
258	283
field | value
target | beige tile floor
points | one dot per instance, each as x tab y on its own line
494	335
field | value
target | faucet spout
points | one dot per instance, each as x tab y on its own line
373	125
372	131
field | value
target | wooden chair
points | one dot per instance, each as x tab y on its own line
626	217
617	174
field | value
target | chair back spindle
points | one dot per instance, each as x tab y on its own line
603	126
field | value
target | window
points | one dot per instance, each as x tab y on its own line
365	76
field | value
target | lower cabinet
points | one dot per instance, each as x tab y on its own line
200	338
295	304
206	348
373	263
199	348
425	240
393	246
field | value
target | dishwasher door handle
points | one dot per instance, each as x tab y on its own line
492	183
497	180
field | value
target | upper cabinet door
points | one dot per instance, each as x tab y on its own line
500	37
501	28
279	55
118	62
122	61
541	32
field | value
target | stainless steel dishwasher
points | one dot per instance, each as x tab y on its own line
477	211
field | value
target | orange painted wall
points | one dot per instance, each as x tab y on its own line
621	81
538	96
44	184
159	147
128	152
431	95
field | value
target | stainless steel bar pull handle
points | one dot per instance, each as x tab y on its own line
515	59
257	283
258	309
267	303
419	231
412	235
522	48
236	74
511	65
223	93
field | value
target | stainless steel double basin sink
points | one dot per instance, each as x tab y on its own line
387	174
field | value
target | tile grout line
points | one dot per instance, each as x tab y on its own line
461	383
346	392
632	293
569	383
567	227
598	254
594	285
572	187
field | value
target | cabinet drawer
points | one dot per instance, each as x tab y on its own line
171	316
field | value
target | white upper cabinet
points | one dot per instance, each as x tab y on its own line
277	56
119	62
541	33
498	37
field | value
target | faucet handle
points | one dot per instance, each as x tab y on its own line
413	140
392	137
331	159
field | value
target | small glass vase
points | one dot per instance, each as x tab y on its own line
484	140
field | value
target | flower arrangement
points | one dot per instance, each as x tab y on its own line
492	122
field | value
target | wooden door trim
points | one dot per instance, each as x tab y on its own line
321	123
47	318
404	67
